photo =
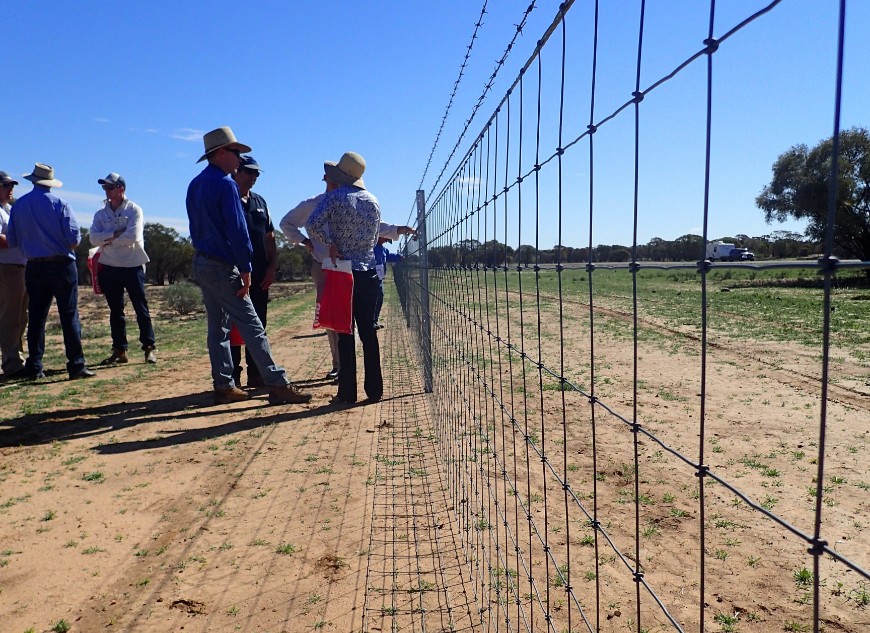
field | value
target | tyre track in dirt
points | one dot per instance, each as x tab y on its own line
800	381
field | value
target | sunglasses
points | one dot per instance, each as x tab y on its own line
109	187
234	152
7	185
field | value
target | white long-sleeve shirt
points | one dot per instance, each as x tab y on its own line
128	249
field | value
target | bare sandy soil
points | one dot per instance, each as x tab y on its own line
136	504
130	502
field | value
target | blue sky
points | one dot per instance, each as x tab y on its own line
131	87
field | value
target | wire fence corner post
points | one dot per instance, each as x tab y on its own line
425	324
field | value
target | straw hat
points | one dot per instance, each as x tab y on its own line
43	175
348	170
221	137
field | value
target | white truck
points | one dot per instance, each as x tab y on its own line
718	250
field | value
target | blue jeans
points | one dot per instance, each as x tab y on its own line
219	282
59	281
114	280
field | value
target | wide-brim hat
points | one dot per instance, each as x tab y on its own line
43	175
348	170
221	137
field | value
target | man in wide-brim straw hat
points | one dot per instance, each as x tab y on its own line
347	219
222	268
45	228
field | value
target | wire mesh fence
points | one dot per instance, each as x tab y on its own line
645	445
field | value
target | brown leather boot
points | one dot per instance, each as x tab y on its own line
228	395
118	356
287	394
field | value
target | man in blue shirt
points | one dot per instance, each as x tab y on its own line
347	219
382	256
222	268
44	227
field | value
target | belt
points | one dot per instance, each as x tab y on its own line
214	258
52	258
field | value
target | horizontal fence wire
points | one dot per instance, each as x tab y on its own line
573	408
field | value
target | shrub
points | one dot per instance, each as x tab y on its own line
183	298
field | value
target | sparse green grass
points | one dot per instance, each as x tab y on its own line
96	477
61	626
803	577
285	548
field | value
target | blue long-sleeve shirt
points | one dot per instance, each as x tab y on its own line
42	224
383	255
217	220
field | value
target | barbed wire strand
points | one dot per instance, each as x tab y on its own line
480	100
456	83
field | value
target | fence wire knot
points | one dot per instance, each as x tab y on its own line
818	546
712	45
702	470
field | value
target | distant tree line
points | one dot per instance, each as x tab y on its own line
172	255
777	245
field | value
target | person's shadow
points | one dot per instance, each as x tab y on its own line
70	424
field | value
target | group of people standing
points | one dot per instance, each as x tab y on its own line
342	222
234	265
38	239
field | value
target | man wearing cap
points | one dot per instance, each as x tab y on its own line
222	268
44	227
118	229
264	261
347	219
13	294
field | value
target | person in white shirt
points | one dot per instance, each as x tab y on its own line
13	293
118	230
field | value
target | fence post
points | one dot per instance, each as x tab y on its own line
425	325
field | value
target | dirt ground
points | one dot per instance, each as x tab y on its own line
138	505
135	504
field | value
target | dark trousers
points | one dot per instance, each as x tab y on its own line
58	281
260	299
365	292
115	281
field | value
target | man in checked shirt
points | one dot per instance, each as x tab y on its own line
347	219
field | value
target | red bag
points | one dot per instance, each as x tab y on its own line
236	336
335	311
94	266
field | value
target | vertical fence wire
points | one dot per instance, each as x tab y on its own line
544	534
